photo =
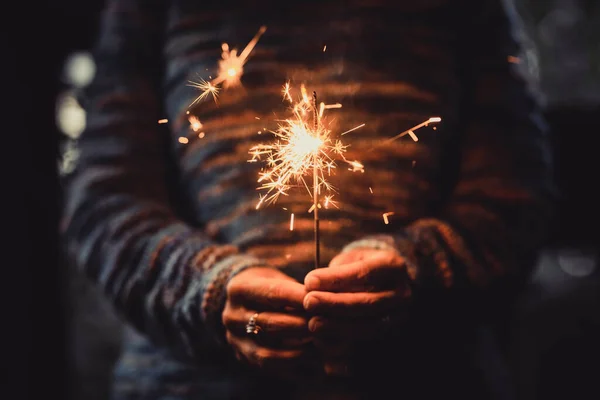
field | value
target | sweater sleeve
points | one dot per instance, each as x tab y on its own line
164	276
483	244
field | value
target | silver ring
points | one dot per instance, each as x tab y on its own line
252	327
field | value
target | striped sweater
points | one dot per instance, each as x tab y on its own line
163	225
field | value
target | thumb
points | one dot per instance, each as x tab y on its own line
352	256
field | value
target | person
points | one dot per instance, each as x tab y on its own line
222	295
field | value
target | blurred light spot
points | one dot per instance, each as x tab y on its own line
385	217
195	123
163	121
70	116
183	140
79	69
514	60
577	263
69	158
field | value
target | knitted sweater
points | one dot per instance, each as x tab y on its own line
163	225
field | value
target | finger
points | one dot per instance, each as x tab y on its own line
336	329
267	293
274	327
353	304
338	368
269	359
386	270
353	256
332	347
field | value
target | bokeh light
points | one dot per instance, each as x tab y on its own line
79	69
577	262
70	116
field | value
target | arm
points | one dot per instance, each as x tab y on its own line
485	240
166	277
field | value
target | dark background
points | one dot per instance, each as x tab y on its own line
70	335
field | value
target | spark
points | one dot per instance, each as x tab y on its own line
292	222
163	121
353	129
183	140
286	92
201	135
231	69
323	107
324	48
312	208
260	201
385	217
411	130
356	166
513	60
370	190
303	145
195	123
330	202
207	88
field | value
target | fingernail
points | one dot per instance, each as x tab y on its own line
311	283
309	301
313	324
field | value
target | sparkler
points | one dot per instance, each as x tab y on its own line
231	68
303	146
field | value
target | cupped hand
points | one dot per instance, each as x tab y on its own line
358	299
279	344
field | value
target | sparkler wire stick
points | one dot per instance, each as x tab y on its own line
316	186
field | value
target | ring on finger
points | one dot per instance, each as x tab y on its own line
252	327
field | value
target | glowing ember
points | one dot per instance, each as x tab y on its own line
231	69
356	166
385	217
411	130
329	202
163	121
195	123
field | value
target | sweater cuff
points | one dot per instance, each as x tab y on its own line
213	292
426	246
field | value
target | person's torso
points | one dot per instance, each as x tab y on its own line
387	70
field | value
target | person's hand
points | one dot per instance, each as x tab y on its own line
356	300
274	301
